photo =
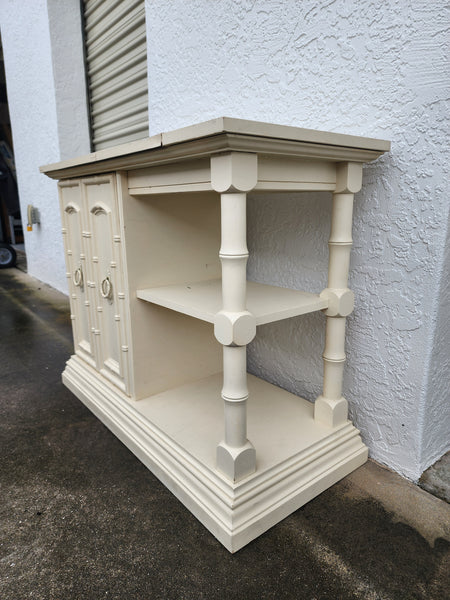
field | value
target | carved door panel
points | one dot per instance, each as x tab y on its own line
104	239
73	228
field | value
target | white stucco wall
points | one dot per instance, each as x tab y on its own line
32	106
436	409
48	122
69	78
361	67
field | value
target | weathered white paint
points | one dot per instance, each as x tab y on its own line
47	118
369	68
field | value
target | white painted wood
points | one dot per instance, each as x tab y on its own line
105	255
78	269
202	300
256	128
173	434
168	226
92	237
209	146
234	326
170	348
331	407
99	156
224	135
233	172
189	173
181	188
123	297
273	173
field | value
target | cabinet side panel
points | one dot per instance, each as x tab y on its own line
170	240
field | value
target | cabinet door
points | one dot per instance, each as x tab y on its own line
105	253
73	222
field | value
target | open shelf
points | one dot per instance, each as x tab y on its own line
203	300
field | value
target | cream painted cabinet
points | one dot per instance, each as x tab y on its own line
72	211
155	239
94	258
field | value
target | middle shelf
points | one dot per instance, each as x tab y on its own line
202	300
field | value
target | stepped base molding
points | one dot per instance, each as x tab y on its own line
234	513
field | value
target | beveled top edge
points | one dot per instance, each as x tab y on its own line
219	126
271	130
148	143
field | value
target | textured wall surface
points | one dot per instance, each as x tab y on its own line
436	411
46	117
69	78
32	106
368	68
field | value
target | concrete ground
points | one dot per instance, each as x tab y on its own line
82	518
436	479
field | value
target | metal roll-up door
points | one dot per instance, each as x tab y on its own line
116	63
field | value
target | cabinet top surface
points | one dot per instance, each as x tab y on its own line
221	135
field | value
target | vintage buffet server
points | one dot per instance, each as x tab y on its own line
155	242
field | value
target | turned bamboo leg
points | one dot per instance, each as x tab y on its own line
234	327
232	175
331	407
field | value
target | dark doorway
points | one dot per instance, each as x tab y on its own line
11	232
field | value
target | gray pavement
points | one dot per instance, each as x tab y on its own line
82	518
436	479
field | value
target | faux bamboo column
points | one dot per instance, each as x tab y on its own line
232	175
331	407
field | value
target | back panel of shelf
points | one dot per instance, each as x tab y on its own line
170	239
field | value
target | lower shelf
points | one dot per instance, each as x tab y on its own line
175	433
280	424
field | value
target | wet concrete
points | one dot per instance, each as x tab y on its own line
82	518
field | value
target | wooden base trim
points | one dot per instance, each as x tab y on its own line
234	513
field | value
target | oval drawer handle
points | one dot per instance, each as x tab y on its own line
78	277
106	288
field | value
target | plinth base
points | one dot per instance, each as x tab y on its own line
175	434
